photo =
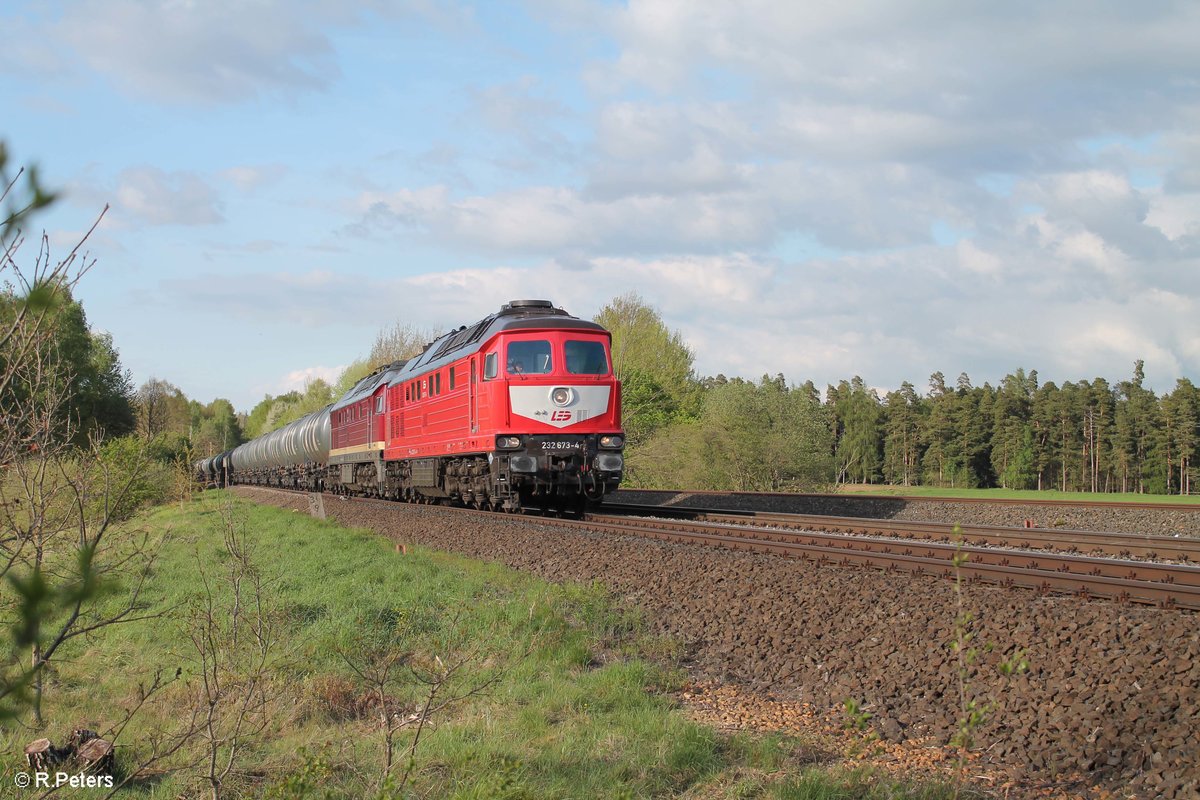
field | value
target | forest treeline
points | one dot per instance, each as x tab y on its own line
1092	436
722	433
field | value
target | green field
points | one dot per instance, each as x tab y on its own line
1017	494
561	693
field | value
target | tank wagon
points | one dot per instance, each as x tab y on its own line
212	471
520	409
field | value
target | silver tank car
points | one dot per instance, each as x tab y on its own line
203	469
301	442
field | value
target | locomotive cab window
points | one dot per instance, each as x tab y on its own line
490	367
379	404
586	358
529	358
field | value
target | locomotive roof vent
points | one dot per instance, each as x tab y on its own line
520	305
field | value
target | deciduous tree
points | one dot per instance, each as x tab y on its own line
859	416
161	408
402	340
58	500
642	341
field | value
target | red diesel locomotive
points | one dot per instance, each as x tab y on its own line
521	409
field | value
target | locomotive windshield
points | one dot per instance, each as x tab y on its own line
586	358
529	358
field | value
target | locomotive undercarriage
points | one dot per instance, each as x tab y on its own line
500	481
557	474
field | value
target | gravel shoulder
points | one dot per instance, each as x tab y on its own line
1111	702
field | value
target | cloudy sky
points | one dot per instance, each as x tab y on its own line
884	189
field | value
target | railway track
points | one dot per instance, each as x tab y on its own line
902	498
1121	545
1120	580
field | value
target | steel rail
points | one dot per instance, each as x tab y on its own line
1155	547
866	496
1166	585
1024	559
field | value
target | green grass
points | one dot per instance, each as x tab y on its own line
580	708
1019	494
857	784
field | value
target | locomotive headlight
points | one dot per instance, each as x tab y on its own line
612	442
560	396
508	442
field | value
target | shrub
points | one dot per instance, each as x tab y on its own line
133	477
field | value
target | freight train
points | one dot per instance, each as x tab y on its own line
521	409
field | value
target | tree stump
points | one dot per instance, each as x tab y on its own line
80	736
37	754
95	756
41	755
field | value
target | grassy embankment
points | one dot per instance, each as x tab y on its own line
1016	494
576	704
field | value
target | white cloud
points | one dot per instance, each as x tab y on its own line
147	195
1176	215
974	259
697	170
695	205
546	219
213	51
251	178
151	196
983	305
206	52
983	87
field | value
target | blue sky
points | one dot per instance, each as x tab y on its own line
884	189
